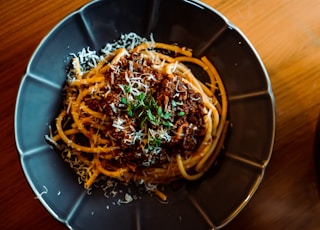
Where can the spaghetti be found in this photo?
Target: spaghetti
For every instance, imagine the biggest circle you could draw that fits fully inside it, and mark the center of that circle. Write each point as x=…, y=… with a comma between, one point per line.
x=138, y=113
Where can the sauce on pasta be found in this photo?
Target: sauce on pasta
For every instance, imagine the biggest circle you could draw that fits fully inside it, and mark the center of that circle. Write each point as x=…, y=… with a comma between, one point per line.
x=138, y=114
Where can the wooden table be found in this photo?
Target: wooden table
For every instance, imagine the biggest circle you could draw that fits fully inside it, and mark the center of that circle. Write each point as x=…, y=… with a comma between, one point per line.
x=286, y=34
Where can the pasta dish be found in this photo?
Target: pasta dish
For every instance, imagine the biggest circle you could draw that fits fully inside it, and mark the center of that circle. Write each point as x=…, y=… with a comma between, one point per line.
x=137, y=113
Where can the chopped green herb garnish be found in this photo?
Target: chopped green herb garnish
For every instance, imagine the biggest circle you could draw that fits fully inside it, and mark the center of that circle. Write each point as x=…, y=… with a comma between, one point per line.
x=149, y=115
x=166, y=115
x=123, y=100
x=181, y=113
x=127, y=88
x=141, y=97
x=130, y=113
x=173, y=103
x=159, y=111
x=167, y=123
x=153, y=141
x=176, y=103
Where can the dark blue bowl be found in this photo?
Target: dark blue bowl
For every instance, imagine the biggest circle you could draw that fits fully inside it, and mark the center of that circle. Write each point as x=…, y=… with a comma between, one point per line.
x=210, y=202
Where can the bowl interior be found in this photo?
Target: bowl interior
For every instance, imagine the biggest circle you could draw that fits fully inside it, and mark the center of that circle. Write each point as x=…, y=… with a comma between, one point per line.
x=213, y=200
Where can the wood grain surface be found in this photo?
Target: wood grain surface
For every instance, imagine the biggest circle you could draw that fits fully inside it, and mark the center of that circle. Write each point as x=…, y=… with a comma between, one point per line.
x=286, y=34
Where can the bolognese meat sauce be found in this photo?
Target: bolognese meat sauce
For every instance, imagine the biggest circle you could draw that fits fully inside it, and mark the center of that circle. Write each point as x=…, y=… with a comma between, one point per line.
x=153, y=115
